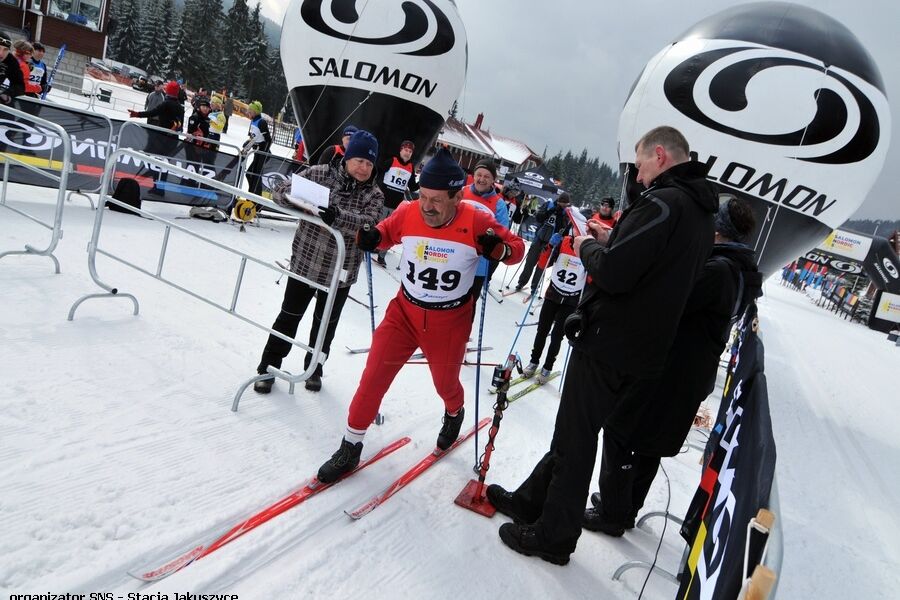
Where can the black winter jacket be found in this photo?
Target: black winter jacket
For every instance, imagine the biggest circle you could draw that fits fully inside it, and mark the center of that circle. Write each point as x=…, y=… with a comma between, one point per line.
x=550, y=222
x=642, y=278
x=10, y=69
x=657, y=424
x=169, y=114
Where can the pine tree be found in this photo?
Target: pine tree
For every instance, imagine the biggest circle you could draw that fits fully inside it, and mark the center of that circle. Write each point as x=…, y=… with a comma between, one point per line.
x=234, y=36
x=180, y=53
x=124, y=43
x=151, y=52
x=254, y=71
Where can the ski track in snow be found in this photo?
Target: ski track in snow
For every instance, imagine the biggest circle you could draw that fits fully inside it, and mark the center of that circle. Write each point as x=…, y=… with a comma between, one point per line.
x=119, y=447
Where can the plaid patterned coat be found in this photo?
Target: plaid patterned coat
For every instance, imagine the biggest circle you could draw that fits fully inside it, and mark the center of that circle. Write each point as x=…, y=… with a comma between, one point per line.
x=314, y=250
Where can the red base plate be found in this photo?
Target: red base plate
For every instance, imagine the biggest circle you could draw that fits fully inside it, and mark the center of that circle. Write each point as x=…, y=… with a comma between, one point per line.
x=472, y=497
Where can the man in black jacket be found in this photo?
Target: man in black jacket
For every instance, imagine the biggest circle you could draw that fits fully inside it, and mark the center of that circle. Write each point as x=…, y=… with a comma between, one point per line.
x=10, y=72
x=552, y=219
x=636, y=436
x=641, y=275
x=169, y=115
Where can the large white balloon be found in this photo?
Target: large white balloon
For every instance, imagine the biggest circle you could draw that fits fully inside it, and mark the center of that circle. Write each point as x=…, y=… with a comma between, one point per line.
x=785, y=106
x=392, y=67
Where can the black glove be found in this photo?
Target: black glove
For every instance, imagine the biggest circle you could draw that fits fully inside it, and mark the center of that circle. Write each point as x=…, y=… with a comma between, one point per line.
x=368, y=239
x=492, y=246
x=329, y=214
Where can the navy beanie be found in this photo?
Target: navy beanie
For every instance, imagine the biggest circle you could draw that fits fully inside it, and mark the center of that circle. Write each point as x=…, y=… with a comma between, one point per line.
x=442, y=172
x=349, y=130
x=362, y=144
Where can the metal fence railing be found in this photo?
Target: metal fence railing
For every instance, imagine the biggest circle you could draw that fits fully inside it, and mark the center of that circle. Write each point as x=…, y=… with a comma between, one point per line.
x=50, y=168
x=232, y=308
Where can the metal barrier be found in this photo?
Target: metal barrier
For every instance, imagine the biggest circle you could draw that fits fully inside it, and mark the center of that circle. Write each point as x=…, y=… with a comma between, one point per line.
x=64, y=167
x=73, y=92
x=238, y=170
x=111, y=292
x=107, y=145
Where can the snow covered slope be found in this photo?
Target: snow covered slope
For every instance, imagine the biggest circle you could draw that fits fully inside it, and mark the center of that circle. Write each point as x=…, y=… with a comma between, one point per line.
x=117, y=443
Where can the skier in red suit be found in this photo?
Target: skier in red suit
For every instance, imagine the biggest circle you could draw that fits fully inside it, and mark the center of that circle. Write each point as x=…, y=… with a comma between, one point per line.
x=443, y=239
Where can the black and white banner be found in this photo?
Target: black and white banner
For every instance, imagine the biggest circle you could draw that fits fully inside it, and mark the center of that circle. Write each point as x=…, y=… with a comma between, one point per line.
x=38, y=146
x=736, y=480
x=159, y=185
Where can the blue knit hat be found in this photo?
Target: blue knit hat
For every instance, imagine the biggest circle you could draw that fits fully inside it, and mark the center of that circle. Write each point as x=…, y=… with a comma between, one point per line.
x=442, y=172
x=362, y=144
x=349, y=130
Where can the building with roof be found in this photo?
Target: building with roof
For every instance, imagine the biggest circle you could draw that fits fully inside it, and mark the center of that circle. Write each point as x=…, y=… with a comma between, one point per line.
x=79, y=24
x=470, y=143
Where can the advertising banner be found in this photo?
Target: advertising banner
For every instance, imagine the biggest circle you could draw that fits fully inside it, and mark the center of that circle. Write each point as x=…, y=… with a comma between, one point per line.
x=736, y=480
x=91, y=135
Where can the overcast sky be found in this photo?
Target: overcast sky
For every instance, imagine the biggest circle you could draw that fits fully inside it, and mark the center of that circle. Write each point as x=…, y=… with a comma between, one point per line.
x=557, y=73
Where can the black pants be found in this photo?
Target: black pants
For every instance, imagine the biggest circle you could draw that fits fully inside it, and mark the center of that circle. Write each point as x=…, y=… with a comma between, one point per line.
x=254, y=174
x=553, y=315
x=556, y=492
x=625, y=480
x=479, y=283
x=297, y=296
x=531, y=259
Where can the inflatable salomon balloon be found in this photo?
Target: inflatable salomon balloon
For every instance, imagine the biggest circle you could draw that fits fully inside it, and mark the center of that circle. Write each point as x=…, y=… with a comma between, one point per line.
x=785, y=106
x=392, y=67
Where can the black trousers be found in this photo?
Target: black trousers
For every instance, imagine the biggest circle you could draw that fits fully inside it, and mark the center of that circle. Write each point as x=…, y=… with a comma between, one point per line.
x=625, y=480
x=531, y=259
x=556, y=492
x=254, y=174
x=297, y=296
x=550, y=322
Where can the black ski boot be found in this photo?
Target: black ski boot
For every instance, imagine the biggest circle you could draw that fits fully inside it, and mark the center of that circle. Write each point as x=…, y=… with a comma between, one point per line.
x=264, y=386
x=450, y=429
x=343, y=461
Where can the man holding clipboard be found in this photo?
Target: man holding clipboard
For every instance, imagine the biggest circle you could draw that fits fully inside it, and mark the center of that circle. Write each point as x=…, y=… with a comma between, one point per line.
x=348, y=198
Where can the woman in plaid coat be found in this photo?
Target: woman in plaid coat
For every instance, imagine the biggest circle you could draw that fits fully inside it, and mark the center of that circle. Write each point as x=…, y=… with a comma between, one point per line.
x=355, y=200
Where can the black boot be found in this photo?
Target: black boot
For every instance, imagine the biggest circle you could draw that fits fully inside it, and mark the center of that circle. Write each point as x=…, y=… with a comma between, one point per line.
x=314, y=383
x=450, y=429
x=343, y=461
x=526, y=539
x=505, y=502
x=264, y=386
x=594, y=520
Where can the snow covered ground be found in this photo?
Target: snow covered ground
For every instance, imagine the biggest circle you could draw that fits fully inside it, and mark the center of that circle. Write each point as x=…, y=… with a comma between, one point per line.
x=117, y=443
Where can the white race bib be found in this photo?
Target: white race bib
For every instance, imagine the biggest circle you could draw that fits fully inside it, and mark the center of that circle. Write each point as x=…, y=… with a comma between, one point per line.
x=437, y=271
x=397, y=178
x=569, y=274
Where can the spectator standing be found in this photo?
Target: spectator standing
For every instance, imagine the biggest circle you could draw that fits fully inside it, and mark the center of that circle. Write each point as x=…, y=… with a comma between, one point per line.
x=606, y=215
x=482, y=190
x=397, y=179
x=636, y=436
x=216, y=120
x=336, y=152
x=551, y=219
x=154, y=99
x=227, y=110
x=433, y=308
x=355, y=201
x=37, y=78
x=259, y=141
x=641, y=275
x=12, y=81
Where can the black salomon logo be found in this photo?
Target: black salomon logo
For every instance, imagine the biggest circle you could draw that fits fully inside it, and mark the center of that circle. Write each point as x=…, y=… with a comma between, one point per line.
x=727, y=85
x=415, y=26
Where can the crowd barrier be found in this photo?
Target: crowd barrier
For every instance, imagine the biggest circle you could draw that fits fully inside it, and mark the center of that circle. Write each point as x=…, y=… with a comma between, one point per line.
x=112, y=292
x=49, y=168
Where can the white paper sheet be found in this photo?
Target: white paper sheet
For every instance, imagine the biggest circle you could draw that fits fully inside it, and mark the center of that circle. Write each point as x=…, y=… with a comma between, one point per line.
x=308, y=192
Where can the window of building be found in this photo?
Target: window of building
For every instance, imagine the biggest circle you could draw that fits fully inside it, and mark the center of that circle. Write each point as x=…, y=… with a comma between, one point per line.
x=81, y=12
